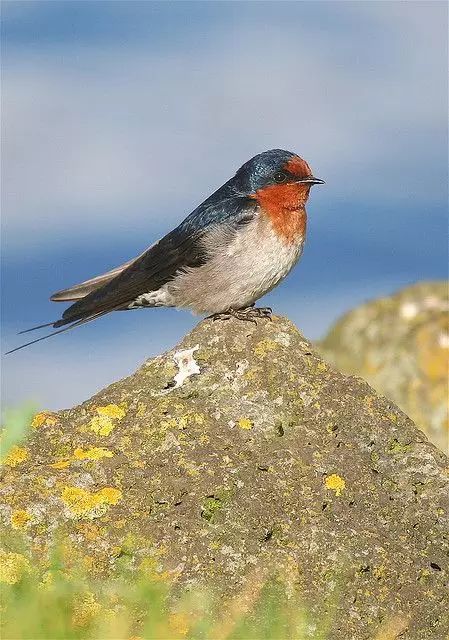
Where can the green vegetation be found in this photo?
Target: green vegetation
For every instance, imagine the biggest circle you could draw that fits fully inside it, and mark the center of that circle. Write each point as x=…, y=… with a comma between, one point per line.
x=16, y=423
x=56, y=606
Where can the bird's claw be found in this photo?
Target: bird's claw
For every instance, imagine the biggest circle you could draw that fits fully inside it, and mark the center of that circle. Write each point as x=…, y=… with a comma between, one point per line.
x=249, y=314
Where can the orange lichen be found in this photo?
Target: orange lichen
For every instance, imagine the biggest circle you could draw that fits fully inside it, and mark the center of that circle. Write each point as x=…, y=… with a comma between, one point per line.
x=16, y=456
x=20, y=519
x=89, y=530
x=44, y=418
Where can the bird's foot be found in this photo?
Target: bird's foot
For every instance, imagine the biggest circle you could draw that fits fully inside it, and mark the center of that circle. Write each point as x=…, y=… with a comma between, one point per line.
x=249, y=314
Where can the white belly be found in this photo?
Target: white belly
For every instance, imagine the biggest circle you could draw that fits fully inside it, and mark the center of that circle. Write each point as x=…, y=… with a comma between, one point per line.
x=239, y=272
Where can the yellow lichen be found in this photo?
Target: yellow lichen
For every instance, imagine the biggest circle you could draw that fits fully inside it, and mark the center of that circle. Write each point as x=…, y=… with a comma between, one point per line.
x=16, y=456
x=12, y=567
x=88, y=562
x=20, y=519
x=245, y=423
x=182, y=422
x=379, y=572
x=125, y=443
x=47, y=583
x=44, y=418
x=95, y=453
x=150, y=567
x=113, y=411
x=107, y=417
x=90, y=531
x=85, y=610
x=101, y=425
x=111, y=495
x=214, y=545
x=264, y=346
x=168, y=424
x=61, y=464
x=252, y=374
x=335, y=483
x=179, y=623
x=141, y=409
x=83, y=503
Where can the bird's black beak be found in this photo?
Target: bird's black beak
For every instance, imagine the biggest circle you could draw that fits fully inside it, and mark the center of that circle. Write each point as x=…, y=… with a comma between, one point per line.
x=311, y=180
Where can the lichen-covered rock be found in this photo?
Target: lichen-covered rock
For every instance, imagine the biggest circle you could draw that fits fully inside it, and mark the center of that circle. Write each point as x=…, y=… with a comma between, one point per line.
x=400, y=345
x=265, y=460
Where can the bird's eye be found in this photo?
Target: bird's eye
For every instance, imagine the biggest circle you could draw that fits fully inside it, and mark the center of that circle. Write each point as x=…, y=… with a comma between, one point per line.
x=280, y=176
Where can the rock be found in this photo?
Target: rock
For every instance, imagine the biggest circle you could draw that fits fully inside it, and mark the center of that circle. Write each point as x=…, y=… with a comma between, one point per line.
x=265, y=459
x=400, y=345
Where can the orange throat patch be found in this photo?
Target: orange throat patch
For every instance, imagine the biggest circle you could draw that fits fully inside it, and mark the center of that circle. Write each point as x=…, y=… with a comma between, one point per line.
x=284, y=204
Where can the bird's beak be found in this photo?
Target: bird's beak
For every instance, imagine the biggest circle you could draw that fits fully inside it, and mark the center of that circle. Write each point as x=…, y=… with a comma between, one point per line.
x=311, y=180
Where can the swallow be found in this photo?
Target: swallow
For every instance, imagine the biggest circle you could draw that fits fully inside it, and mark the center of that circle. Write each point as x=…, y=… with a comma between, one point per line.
x=230, y=251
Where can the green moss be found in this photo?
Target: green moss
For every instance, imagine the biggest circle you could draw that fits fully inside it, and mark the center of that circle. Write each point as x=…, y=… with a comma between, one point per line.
x=205, y=355
x=396, y=447
x=210, y=507
x=389, y=485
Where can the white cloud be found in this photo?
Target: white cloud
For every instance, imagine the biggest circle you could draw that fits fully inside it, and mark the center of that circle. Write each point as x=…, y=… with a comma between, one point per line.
x=121, y=138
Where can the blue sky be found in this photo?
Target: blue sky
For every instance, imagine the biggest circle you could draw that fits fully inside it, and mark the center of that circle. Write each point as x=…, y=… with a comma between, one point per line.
x=118, y=118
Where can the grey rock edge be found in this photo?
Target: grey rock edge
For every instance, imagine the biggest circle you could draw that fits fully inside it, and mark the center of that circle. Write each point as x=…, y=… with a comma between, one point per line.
x=400, y=345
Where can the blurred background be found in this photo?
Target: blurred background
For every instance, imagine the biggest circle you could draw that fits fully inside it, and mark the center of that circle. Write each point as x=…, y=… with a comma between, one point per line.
x=118, y=118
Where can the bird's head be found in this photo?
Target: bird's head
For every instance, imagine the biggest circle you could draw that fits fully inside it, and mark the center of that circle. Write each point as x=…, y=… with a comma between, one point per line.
x=279, y=181
x=275, y=171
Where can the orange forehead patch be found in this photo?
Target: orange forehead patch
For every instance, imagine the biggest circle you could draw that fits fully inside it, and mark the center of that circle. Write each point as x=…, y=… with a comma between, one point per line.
x=298, y=167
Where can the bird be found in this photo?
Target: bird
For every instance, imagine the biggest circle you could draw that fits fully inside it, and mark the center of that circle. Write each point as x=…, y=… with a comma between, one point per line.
x=235, y=247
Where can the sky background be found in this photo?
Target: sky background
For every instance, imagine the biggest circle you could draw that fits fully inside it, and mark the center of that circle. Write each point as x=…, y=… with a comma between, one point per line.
x=119, y=118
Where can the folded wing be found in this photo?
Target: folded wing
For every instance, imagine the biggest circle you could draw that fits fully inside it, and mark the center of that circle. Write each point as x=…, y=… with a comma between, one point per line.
x=82, y=289
x=187, y=246
x=183, y=248
x=148, y=272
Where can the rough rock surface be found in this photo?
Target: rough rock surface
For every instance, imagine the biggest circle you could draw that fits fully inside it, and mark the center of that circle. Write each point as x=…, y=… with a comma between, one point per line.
x=265, y=458
x=400, y=345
